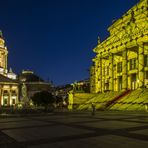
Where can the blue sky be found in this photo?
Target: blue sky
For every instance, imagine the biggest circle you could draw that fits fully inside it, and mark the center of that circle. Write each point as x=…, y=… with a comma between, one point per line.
x=55, y=38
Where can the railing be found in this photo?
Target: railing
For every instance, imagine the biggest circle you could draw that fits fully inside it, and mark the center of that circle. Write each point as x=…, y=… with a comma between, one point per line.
x=114, y=100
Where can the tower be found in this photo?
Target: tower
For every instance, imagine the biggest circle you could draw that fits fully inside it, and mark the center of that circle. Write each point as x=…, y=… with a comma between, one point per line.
x=3, y=55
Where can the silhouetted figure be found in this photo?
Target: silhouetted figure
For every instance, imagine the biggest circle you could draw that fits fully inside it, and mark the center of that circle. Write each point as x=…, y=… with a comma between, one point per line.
x=93, y=109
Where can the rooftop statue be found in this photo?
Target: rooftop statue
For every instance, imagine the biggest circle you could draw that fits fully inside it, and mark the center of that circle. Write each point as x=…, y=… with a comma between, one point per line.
x=99, y=41
x=1, y=34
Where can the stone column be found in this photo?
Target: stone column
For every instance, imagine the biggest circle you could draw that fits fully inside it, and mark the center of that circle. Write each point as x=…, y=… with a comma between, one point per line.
x=124, y=70
x=129, y=82
x=100, y=74
x=96, y=76
x=0, y=96
x=6, y=61
x=103, y=76
x=111, y=87
x=10, y=97
x=92, y=79
x=17, y=97
x=141, y=66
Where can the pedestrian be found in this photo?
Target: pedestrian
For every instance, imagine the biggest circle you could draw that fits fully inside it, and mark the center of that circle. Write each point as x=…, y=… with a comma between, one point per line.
x=93, y=109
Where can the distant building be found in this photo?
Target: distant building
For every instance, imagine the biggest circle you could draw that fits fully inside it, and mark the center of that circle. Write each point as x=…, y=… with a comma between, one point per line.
x=121, y=60
x=82, y=86
x=62, y=91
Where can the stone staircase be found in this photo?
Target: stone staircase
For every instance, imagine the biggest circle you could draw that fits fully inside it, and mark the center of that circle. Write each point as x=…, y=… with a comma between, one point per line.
x=117, y=98
x=128, y=100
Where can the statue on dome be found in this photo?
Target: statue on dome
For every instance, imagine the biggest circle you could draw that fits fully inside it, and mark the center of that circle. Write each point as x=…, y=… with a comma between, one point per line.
x=99, y=41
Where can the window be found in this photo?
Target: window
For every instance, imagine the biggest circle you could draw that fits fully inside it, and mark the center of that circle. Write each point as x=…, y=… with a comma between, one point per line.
x=13, y=93
x=5, y=100
x=132, y=63
x=119, y=67
x=146, y=60
x=13, y=101
x=5, y=91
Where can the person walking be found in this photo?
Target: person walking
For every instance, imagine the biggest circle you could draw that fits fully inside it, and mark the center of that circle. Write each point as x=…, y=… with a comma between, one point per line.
x=93, y=109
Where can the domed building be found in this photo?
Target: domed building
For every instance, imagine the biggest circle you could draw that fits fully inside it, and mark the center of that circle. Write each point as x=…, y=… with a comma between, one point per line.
x=9, y=86
x=15, y=89
x=33, y=83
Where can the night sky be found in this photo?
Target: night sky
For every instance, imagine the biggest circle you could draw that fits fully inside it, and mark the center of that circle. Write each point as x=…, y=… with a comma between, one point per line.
x=55, y=38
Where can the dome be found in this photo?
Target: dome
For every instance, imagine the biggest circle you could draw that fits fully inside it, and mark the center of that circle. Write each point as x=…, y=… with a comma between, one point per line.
x=29, y=76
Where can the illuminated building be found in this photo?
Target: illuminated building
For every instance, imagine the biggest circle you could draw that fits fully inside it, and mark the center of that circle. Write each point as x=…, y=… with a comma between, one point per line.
x=33, y=83
x=13, y=90
x=9, y=87
x=121, y=61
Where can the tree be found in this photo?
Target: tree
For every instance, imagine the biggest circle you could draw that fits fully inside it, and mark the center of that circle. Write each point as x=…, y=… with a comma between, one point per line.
x=43, y=98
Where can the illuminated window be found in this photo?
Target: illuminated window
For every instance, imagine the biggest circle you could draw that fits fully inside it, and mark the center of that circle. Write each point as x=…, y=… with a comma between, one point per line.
x=5, y=100
x=146, y=60
x=5, y=91
x=119, y=67
x=13, y=92
x=132, y=63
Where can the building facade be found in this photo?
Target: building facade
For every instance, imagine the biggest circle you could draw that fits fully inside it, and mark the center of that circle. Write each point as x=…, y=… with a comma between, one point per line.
x=121, y=60
x=17, y=89
x=9, y=87
x=33, y=83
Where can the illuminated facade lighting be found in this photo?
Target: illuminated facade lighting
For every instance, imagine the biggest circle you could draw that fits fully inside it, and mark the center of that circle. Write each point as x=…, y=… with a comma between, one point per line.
x=121, y=61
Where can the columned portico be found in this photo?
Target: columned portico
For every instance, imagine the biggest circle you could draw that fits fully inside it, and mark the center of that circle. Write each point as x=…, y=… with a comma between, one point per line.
x=123, y=56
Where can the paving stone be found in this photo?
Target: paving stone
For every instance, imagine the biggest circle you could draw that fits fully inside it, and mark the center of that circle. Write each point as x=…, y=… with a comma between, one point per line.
x=19, y=124
x=109, y=141
x=43, y=132
x=142, y=132
x=64, y=130
x=112, y=124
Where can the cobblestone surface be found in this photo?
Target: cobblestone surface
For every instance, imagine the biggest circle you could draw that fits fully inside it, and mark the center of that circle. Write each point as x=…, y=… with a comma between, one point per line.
x=64, y=130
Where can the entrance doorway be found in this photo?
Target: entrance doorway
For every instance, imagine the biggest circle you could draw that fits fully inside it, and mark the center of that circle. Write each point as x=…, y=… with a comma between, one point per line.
x=119, y=83
x=5, y=100
x=133, y=82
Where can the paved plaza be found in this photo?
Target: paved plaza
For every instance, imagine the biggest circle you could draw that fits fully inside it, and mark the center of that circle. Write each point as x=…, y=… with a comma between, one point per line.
x=76, y=130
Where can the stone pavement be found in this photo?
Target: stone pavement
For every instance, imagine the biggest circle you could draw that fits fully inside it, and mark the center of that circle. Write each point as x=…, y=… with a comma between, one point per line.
x=74, y=130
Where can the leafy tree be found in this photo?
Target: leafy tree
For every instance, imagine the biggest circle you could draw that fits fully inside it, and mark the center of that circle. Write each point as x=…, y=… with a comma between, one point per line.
x=43, y=98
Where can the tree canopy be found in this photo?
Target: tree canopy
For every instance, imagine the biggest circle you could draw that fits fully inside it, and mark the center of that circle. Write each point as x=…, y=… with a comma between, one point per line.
x=43, y=98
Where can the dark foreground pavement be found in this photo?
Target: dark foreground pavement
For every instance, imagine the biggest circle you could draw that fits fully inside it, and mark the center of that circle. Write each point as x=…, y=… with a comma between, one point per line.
x=76, y=130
